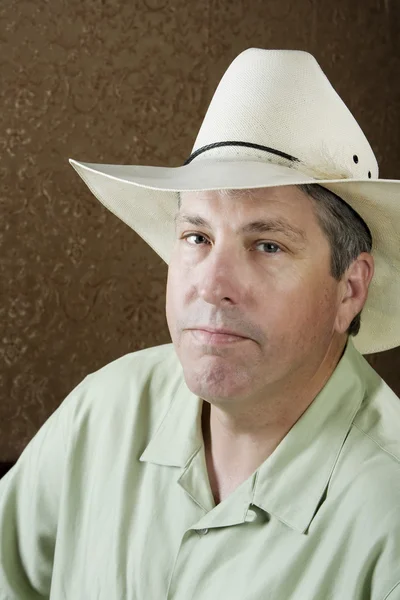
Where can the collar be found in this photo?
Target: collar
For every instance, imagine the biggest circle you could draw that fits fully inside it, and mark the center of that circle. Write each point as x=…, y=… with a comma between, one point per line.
x=292, y=481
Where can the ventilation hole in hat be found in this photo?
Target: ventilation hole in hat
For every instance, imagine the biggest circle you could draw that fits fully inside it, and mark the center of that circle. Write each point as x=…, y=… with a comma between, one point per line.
x=369, y=174
x=355, y=158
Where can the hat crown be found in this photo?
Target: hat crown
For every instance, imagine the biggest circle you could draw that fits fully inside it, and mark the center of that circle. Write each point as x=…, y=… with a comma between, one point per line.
x=282, y=100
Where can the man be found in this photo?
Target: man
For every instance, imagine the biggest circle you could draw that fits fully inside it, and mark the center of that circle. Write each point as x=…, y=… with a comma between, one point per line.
x=258, y=455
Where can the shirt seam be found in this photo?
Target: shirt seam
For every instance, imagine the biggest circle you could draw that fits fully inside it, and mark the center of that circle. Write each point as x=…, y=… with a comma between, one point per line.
x=397, y=459
x=67, y=423
x=396, y=585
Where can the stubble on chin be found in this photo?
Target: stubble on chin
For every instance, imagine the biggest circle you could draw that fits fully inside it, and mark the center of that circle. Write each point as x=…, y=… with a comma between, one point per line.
x=211, y=376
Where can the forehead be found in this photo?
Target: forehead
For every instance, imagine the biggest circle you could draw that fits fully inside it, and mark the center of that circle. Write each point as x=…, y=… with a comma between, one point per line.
x=284, y=201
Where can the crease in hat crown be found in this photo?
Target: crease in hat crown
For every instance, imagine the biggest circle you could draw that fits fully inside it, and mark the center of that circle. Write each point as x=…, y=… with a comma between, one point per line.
x=281, y=99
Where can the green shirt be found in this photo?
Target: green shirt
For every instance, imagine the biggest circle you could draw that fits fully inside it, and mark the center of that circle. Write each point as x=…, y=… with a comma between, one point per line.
x=111, y=499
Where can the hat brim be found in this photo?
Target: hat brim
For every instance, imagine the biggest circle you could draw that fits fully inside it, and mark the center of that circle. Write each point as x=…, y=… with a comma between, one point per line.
x=145, y=198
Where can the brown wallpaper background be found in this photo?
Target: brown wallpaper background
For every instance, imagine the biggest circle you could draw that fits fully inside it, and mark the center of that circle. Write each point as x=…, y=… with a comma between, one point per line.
x=129, y=82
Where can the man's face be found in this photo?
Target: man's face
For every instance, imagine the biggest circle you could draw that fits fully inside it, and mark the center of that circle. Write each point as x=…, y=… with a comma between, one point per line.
x=259, y=267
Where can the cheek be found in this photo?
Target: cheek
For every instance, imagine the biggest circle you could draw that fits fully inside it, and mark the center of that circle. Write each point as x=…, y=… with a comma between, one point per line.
x=316, y=309
x=175, y=293
x=297, y=301
x=170, y=306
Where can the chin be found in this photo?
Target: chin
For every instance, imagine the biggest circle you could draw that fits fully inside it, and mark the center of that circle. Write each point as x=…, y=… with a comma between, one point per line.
x=213, y=377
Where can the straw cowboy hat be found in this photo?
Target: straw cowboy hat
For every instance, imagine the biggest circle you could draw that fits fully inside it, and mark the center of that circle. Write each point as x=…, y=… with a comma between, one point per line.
x=274, y=120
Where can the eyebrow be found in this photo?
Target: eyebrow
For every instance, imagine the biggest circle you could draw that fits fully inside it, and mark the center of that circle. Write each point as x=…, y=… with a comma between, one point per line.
x=277, y=225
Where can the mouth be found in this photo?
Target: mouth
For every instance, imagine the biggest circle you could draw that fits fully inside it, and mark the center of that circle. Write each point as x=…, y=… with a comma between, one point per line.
x=216, y=337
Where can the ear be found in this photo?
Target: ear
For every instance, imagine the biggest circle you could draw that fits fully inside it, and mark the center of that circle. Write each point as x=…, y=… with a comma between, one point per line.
x=354, y=290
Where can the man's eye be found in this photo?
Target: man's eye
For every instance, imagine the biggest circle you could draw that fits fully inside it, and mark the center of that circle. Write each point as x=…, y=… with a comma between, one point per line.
x=195, y=239
x=268, y=247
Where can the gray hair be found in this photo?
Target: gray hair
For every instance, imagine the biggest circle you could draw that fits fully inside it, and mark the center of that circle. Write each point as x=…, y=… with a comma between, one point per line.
x=347, y=233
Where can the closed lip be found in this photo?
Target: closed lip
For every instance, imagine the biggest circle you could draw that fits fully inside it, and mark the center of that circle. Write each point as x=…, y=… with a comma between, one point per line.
x=220, y=331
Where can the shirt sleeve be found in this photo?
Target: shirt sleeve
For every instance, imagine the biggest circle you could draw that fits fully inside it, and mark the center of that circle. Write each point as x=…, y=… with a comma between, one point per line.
x=29, y=504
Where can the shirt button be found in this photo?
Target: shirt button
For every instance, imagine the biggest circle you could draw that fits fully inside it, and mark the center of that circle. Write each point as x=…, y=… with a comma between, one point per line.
x=251, y=515
x=203, y=531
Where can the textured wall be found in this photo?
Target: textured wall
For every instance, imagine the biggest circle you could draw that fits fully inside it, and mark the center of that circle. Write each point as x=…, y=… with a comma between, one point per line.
x=129, y=82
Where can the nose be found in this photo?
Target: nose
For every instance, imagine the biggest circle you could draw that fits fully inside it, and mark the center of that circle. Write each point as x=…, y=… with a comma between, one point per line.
x=222, y=277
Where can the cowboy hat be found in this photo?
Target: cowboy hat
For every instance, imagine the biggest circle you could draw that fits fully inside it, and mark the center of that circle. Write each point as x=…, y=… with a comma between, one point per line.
x=274, y=120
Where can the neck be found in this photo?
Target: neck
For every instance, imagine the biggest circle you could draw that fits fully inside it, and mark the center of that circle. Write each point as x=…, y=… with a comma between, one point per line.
x=239, y=437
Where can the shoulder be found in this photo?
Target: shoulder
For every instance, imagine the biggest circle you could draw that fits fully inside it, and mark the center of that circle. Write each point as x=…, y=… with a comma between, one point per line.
x=367, y=471
x=365, y=482
x=135, y=387
x=158, y=364
x=378, y=419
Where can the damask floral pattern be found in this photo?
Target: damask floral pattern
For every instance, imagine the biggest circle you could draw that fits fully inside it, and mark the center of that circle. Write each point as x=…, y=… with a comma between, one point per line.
x=129, y=82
